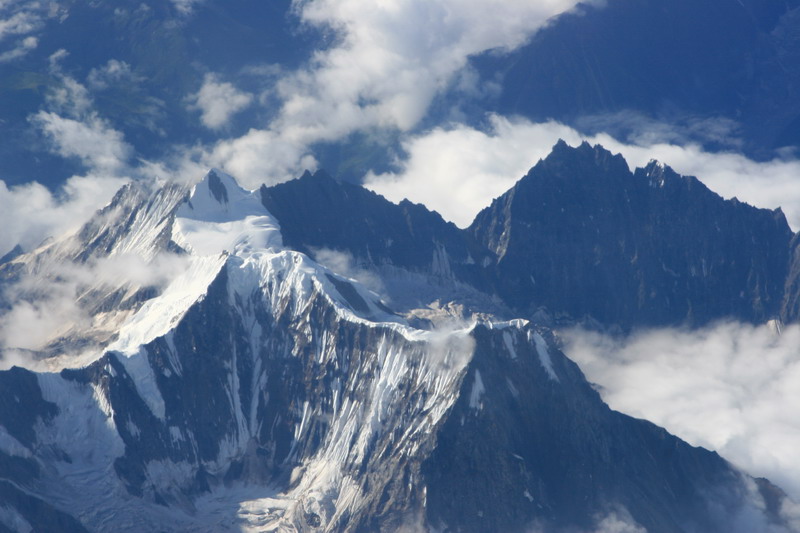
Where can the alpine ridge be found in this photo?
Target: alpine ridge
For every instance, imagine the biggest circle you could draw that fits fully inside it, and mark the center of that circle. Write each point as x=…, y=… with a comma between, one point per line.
x=249, y=387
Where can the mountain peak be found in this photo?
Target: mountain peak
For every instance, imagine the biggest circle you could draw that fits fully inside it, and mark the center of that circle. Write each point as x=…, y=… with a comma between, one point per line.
x=216, y=195
x=217, y=184
x=582, y=161
x=319, y=175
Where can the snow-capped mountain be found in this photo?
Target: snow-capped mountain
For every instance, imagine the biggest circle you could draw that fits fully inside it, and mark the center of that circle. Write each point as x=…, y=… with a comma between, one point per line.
x=248, y=387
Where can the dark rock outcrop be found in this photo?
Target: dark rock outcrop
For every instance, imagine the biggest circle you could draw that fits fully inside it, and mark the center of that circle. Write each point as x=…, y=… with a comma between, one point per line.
x=317, y=211
x=583, y=235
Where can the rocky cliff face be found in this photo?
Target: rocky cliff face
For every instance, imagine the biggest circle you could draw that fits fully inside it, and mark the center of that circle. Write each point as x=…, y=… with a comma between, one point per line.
x=416, y=254
x=258, y=390
x=583, y=235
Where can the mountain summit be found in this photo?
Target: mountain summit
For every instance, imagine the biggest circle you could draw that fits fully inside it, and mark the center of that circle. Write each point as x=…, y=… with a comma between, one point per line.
x=256, y=389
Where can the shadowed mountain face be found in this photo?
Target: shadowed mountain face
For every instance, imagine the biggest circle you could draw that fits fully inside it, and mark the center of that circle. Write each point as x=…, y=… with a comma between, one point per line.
x=317, y=211
x=580, y=235
x=584, y=235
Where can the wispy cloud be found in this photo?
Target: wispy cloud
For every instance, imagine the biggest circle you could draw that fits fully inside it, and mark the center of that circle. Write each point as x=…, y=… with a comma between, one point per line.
x=22, y=48
x=112, y=73
x=733, y=388
x=21, y=22
x=345, y=265
x=30, y=213
x=185, y=7
x=51, y=300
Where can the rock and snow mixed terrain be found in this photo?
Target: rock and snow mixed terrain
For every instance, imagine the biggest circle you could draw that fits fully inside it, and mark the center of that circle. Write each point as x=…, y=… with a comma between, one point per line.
x=239, y=384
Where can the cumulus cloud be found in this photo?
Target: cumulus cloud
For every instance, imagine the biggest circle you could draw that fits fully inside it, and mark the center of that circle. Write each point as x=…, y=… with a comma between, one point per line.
x=30, y=213
x=261, y=156
x=218, y=101
x=732, y=388
x=387, y=62
x=393, y=57
x=457, y=170
x=92, y=140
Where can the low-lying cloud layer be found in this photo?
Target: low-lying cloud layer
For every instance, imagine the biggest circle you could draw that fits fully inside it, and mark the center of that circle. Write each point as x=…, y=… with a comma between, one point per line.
x=733, y=388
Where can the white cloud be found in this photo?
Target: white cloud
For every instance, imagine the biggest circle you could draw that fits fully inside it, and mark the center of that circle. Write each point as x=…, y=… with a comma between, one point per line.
x=185, y=7
x=344, y=264
x=23, y=20
x=70, y=97
x=393, y=57
x=388, y=61
x=30, y=213
x=218, y=102
x=112, y=73
x=618, y=521
x=92, y=140
x=261, y=156
x=20, y=23
x=733, y=388
x=21, y=49
x=768, y=184
x=458, y=170
x=47, y=301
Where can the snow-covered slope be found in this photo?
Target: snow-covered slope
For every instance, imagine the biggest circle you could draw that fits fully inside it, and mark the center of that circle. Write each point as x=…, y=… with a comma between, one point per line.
x=256, y=390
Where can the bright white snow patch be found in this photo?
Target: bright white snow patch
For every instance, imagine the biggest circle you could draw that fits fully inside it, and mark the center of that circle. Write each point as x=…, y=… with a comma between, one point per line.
x=11, y=446
x=477, y=392
x=509, y=342
x=159, y=315
x=544, y=355
x=221, y=217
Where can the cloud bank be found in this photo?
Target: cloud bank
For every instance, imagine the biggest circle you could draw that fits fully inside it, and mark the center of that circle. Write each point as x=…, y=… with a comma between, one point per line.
x=387, y=63
x=393, y=57
x=457, y=170
x=733, y=388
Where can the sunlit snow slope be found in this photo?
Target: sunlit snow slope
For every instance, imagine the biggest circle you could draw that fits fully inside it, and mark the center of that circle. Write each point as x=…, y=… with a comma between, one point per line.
x=252, y=389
